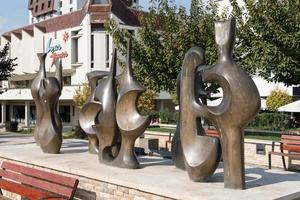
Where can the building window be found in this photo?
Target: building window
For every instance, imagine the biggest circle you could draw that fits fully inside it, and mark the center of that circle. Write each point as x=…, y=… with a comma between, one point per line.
x=60, y=13
x=100, y=2
x=37, y=1
x=18, y=113
x=60, y=4
x=92, y=48
x=71, y=9
x=65, y=113
x=49, y=4
x=31, y=1
x=32, y=20
x=107, y=47
x=71, y=1
x=67, y=80
x=36, y=8
x=43, y=6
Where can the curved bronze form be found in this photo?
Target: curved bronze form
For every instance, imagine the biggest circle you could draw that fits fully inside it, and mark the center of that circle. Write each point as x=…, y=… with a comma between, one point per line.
x=35, y=86
x=201, y=153
x=90, y=111
x=105, y=116
x=46, y=92
x=177, y=154
x=240, y=104
x=106, y=126
x=130, y=122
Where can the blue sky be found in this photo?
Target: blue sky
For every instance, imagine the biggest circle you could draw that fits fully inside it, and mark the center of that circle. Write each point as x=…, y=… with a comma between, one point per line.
x=14, y=13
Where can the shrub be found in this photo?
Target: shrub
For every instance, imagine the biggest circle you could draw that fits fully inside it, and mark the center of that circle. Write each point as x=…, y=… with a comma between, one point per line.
x=11, y=126
x=81, y=95
x=146, y=102
x=277, y=99
x=271, y=121
x=79, y=133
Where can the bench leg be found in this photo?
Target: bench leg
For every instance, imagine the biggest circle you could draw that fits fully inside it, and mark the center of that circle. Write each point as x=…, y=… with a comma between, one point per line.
x=283, y=162
x=270, y=161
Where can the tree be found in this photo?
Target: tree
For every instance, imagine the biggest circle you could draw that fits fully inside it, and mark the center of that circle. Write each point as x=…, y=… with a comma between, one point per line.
x=146, y=102
x=269, y=39
x=278, y=98
x=7, y=64
x=81, y=95
x=165, y=35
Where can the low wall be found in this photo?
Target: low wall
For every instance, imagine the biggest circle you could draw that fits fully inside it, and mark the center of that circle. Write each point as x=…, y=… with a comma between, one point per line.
x=92, y=189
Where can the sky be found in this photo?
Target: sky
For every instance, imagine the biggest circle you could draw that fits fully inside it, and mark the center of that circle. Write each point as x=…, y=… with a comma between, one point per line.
x=14, y=13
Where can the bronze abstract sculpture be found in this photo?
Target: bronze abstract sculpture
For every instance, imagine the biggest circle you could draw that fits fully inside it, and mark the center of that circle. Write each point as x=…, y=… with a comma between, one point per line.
x=239, y=105
x=106, y=126
x=113, y=117
x=130, y=122
x=90, y=109
x=46, y=92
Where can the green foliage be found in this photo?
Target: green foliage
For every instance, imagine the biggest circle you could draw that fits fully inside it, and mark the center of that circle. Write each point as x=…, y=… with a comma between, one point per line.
x=81, y=95
x=277, y=99
x=167, y=117
x=146, y=102
x=165, y=35
x=269, y=39
x=271, y=121
x=174, y=98
x=7, y=65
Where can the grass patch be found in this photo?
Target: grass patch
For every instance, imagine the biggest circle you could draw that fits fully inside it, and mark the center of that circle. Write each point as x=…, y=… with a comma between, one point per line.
x=28, y=131
x=164, y=130
x=263, y=137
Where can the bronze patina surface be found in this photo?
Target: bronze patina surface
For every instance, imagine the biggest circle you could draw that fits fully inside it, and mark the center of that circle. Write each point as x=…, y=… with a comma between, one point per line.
x=240, y=104
x=112, y=119
x=90, y=110
x=130, y=122
x=46, y=92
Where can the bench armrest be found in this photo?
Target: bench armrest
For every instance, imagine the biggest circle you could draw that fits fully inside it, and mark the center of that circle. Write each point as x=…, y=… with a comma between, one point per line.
x=273, y=146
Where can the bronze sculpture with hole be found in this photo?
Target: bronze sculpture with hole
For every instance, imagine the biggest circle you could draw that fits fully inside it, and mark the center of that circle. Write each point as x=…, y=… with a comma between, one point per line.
x=200, y=154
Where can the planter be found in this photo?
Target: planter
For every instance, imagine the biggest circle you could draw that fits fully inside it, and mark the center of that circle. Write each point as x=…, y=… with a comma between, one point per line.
x=11, y=126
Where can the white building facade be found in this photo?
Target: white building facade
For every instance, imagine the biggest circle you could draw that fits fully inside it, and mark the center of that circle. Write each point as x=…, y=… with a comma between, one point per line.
x=77, y=36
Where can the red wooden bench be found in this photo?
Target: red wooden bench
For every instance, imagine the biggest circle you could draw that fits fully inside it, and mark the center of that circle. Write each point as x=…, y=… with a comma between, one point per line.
x=211, y=132
x=35, y=184
x=208, y=132
x=288, y=143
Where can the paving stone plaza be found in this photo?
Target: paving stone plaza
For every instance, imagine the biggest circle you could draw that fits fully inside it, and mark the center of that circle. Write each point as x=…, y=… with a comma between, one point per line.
x=157, y=179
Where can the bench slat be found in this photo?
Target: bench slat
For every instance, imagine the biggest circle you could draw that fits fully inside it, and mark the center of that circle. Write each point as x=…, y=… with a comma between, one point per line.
x=23, y=190
x=292, y=148
x=290, y=141
x=291, y=137
x=51, y=187
x=67, y=181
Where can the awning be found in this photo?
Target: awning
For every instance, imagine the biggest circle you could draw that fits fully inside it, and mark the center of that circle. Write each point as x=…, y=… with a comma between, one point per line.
x=30, y=76
x=291, y=107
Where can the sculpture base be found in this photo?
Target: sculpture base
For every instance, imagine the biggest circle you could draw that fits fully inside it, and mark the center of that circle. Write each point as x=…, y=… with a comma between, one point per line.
x=157, y=178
